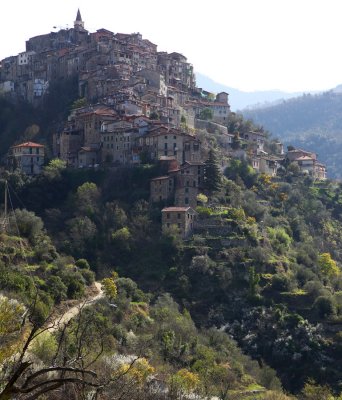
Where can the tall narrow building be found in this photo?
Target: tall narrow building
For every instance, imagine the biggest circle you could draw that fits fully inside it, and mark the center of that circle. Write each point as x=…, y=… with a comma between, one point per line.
x=78, y=23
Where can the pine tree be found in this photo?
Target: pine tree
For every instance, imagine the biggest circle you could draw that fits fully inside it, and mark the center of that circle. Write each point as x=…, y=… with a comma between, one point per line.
x=213, y=175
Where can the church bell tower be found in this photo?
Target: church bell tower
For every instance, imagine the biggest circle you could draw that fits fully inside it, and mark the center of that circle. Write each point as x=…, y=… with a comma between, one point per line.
x=78, y=23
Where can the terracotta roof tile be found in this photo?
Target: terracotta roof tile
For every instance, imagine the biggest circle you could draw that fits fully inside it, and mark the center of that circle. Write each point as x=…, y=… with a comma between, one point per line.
x=29, y=144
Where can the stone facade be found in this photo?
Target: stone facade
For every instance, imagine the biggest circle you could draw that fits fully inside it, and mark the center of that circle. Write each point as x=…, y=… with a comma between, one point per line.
x=29, y=157
x=180, y=218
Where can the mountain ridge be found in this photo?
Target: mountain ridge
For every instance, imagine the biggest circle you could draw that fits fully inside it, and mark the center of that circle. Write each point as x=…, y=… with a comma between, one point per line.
x=313, y=121
x=240, y=99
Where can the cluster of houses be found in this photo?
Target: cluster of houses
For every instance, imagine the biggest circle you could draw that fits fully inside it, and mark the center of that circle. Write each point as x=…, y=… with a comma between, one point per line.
x=143, y=106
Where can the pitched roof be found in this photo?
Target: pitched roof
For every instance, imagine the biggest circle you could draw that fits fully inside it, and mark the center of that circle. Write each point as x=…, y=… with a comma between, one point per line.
x=29, y=144
x=78, y=16
x=302, y=158
x=177, y=209
x=194, y=163
x=159, y=178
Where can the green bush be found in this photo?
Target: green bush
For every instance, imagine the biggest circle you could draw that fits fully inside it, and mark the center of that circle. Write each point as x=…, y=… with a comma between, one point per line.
x=89, y=276
x=56, y=288
x=324, y=306
x=82, y=263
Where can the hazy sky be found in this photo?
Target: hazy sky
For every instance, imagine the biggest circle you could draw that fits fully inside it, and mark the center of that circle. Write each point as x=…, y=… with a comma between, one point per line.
x=292, y=45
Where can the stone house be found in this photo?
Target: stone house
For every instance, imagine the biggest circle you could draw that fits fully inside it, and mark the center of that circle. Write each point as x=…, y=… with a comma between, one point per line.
x=189, y=182
x=162, y=188
x=256, y=139
x=154, y=80
x=181, y=185
x=163, y=141
x=268, y=165
x=28, y=156
x=90, y=120
x=320, y=171
x=66, y=145
x=118, y=142
x=307, y=163
x=180, y=218
x=87, y=157
x=294, y=154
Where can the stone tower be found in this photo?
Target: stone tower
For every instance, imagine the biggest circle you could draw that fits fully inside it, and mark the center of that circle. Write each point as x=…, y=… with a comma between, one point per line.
x=78, y=23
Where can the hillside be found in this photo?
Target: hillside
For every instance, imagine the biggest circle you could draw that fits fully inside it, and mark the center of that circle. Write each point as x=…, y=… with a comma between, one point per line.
x=263, y=263
x=219, y=258
x=310, y=121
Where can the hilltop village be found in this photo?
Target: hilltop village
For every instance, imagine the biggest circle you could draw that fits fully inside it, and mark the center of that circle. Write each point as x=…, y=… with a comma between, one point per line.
x=136, y=105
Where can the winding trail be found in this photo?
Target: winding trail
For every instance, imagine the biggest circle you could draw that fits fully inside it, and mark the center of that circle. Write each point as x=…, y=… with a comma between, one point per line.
x=60, y=321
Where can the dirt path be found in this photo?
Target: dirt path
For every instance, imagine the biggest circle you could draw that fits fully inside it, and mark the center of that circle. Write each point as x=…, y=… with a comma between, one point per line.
x=61, y=320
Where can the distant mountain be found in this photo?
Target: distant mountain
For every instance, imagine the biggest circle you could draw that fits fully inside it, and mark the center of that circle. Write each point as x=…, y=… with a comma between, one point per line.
x=310, y=121
x=238, y=99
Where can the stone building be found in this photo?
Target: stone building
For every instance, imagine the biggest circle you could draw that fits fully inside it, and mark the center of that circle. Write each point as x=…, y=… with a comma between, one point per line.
x=162, y=188
x=28, y=156
x=180, y=218
x=163, y=141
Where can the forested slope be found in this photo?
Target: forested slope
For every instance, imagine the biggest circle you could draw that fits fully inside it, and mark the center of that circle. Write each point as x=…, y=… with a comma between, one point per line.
x=310, y=121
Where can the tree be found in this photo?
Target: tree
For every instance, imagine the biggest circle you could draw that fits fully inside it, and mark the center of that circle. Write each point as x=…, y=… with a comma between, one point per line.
x=109, y=286
x=68, y=362
x=11, y=318
x=206, y=114
x=28, y=224
x=154, y=115
x=54, y=169
x=324, y=306
x=212, y=175
x=183, y=383
x=87, y=198
x=312, y=391
x=327, y=265
x=81, y=102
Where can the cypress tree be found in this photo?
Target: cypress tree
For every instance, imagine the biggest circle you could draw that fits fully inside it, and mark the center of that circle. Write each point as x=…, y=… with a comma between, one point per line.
x=213, y=175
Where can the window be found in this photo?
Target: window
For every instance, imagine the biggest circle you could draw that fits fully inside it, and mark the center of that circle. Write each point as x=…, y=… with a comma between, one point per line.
x=165, y=146
x=165, y=137
x=186, y=200
x=179, y=225
x=37, y=150
x=168, y=216
x=168, y=224
x=178, y=215
x=175, y=137
x=186, y=190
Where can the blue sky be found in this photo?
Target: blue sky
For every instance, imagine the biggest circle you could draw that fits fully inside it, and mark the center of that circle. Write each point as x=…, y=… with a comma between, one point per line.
x=291, y=45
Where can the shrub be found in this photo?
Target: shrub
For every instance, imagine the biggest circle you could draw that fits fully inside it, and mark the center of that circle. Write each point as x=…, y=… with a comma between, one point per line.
x=56, y=288
x=281, y=283
x=324, y=306
x=82, y=263
x=89, y=276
